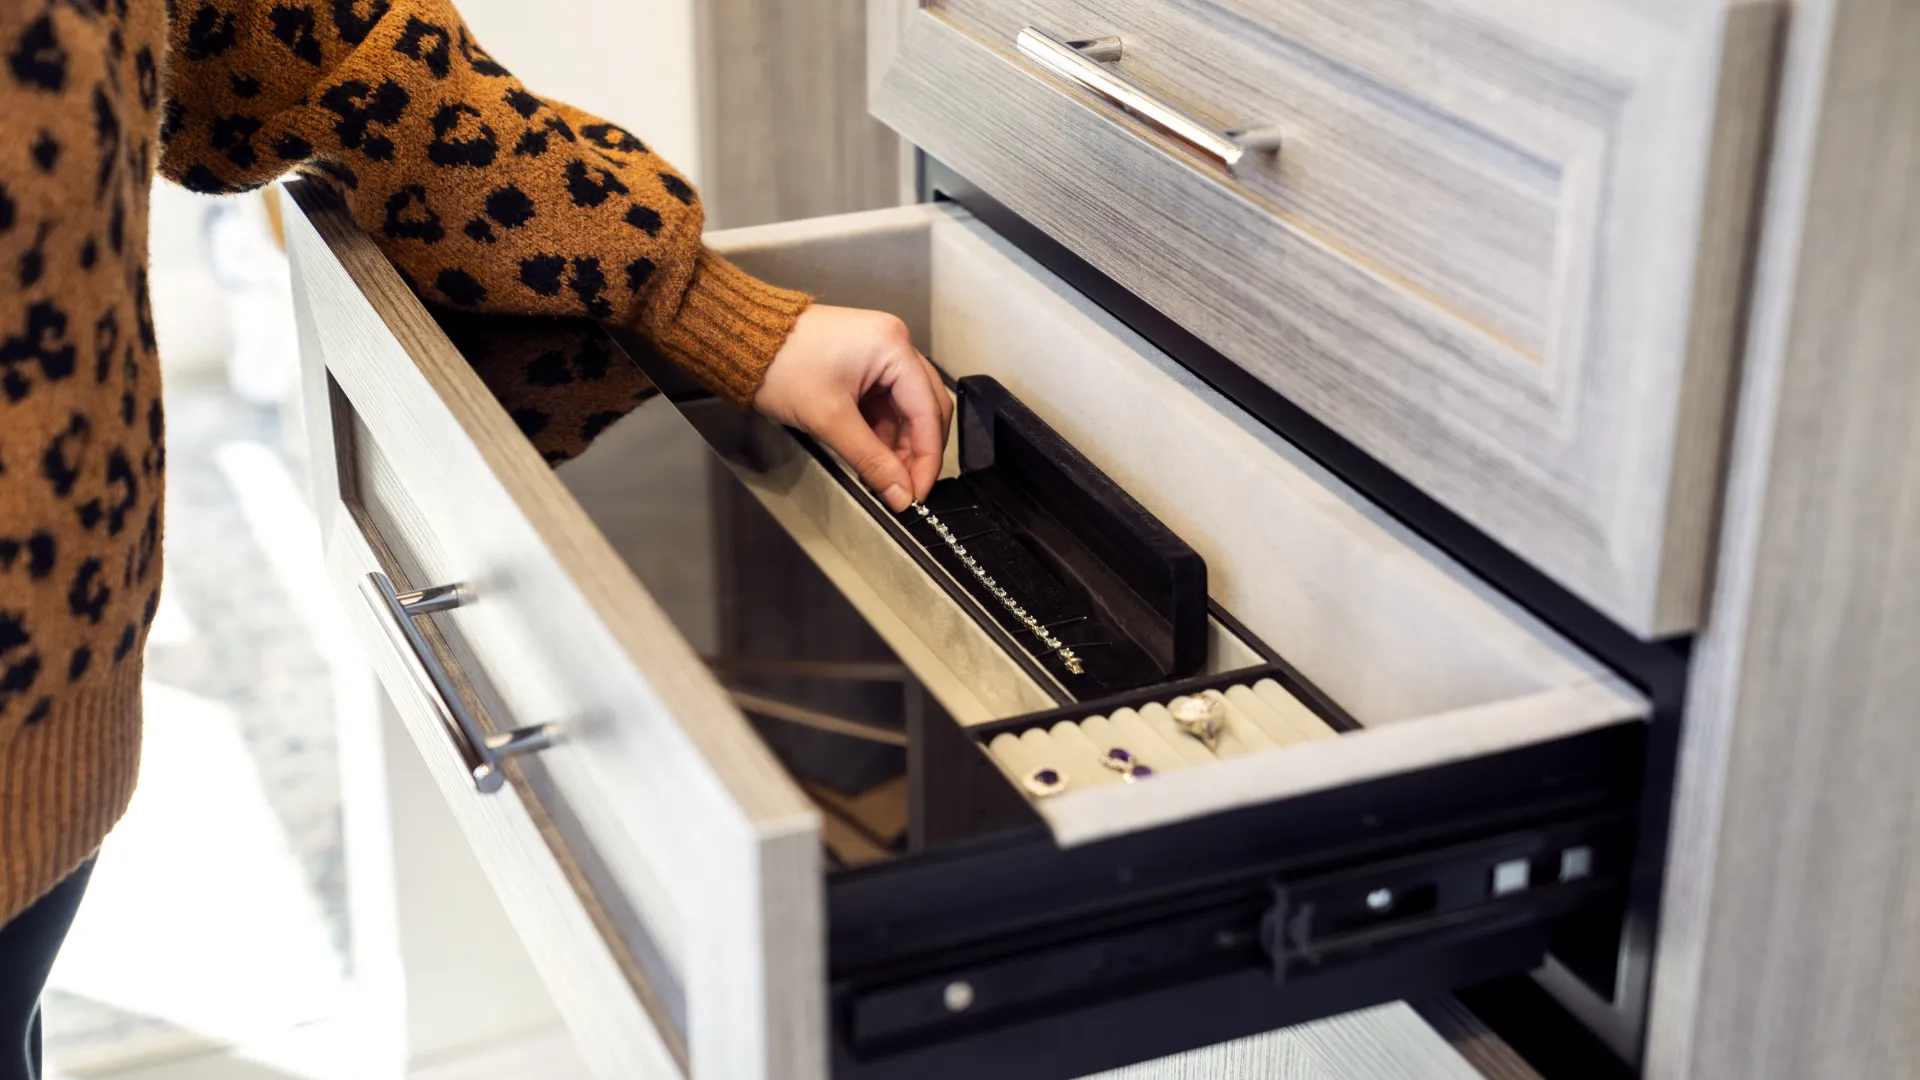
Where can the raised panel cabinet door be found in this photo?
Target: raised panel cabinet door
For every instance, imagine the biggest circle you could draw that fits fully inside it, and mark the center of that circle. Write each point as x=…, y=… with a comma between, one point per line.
x=1498, y=246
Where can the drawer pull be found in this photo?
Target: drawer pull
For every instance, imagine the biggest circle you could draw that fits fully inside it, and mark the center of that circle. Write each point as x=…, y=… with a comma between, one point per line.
x=1080, y=62
x=481, y=752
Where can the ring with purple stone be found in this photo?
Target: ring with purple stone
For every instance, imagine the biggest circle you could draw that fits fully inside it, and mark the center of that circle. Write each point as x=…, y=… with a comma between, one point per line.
x=1122, y=761
x=1045, y=781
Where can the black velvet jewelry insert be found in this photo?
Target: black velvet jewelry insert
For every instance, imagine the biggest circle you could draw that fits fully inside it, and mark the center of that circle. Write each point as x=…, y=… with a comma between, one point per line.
x=1104, y=576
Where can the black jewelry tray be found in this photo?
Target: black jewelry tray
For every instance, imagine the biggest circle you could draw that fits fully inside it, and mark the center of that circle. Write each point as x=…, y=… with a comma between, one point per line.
x=974, y=797
x=1109, y=580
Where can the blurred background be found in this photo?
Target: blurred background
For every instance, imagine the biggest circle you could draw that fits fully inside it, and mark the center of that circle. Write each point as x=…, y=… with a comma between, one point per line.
x=233, y=929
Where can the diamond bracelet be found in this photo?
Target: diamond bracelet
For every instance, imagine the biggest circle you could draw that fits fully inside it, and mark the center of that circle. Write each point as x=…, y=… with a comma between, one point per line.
x=1053, y=644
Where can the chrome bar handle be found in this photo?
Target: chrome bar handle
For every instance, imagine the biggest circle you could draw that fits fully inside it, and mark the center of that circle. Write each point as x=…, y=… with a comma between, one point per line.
x=480, y=752
x=1080, y=62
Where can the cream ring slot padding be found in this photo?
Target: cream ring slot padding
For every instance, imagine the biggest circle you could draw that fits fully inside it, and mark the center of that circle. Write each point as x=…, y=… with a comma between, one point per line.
x=1239, y=736
x=1012, y=754
x=1128, y=730
x=1082, y=757
x=1262, y=717
x=1293, y=711
x=1143, y=746
x=1041, y=753
x=1027, y=753
x=1162, y=723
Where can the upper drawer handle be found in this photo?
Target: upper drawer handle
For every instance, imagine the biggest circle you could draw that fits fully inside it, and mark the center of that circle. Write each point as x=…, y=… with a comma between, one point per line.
x=480, y=752
x=1079, y=62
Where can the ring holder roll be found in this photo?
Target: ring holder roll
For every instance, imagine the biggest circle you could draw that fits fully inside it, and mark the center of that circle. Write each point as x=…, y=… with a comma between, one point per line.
x=989, y=783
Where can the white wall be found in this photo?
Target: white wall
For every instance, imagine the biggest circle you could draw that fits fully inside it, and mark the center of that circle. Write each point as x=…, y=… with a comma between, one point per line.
x=189, y=310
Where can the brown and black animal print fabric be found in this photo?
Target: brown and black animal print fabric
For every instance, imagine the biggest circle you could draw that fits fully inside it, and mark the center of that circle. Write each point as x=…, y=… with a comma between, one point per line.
x=486, y=196
x=561, y=380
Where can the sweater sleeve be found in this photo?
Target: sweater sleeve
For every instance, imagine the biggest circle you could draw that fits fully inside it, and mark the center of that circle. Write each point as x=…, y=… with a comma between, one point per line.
x=486, y=196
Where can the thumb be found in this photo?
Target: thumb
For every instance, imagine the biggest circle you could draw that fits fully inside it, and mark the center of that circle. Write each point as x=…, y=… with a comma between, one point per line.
x=847, y=433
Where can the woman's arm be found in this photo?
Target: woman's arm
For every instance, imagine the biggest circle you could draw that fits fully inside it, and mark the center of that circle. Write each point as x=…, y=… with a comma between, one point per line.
x=489, y=197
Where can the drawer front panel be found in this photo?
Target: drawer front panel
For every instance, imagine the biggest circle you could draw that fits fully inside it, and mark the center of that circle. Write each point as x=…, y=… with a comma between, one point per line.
x=619, y=1022
x=1499, y=247
x=685, y=847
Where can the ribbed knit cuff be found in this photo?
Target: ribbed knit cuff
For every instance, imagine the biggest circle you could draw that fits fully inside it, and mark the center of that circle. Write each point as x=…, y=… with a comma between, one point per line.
x=64, y=782
x=728, y=327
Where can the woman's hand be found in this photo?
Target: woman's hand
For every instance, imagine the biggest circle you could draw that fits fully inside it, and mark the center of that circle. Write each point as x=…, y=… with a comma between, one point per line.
x=853, y=380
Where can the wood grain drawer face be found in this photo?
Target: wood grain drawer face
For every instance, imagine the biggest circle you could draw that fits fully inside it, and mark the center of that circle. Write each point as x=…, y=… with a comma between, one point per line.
x=1443, y=204
x=1500, y=248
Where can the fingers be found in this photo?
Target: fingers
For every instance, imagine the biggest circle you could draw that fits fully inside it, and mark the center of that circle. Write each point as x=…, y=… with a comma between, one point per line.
x=920, y=400
x=854, y=379
x=881, y=416
x=846, y=432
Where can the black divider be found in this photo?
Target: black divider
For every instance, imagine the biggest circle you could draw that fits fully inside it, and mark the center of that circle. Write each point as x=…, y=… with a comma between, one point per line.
x=1148, y=582
x=1104, y=576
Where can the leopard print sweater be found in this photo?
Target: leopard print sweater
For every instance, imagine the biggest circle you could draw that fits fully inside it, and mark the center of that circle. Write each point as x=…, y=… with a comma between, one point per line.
x=485, y=195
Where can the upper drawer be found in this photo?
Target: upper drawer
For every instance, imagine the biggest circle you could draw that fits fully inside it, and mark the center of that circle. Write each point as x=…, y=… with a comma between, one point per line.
x=1499, y=247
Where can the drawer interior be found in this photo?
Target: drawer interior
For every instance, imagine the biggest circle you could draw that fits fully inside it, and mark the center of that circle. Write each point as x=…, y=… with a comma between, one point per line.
x=1384, y=625
x=785, y=573
x=1319, y=574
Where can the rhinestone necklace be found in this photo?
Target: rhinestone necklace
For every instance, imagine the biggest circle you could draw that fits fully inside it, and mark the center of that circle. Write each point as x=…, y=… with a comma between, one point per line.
x=1013, y=607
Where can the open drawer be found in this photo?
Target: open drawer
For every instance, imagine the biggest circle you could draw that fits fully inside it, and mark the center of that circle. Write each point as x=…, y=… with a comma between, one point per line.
x=745, y=806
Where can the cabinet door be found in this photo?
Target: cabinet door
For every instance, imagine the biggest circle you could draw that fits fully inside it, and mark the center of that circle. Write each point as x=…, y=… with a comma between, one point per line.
x=645, y=844
x=1499, y=247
